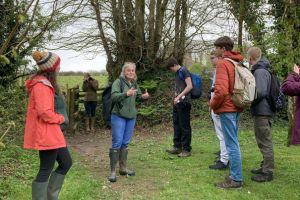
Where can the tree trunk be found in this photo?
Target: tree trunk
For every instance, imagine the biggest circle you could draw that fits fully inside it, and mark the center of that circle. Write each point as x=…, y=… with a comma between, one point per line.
x=183, y=28
x=140, y=28
x=241, y=22
x=96, y=7
x=177, y=30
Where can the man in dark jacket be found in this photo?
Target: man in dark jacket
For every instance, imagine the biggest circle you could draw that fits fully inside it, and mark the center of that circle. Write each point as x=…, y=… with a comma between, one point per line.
x=262, y=113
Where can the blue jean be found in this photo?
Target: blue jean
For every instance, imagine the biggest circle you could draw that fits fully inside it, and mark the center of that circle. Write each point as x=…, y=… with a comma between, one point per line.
x=229, y=122
x=122, y=131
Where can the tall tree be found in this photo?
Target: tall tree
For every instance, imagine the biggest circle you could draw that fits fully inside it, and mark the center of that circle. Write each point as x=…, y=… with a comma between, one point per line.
x=142, y=31
x=25, y=25
x=249, y=16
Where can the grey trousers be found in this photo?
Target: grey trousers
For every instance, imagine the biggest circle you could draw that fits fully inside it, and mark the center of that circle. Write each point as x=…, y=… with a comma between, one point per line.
x=263, y=136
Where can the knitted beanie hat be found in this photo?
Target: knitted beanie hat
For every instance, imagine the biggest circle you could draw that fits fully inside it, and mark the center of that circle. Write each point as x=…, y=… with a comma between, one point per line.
x=47, y=61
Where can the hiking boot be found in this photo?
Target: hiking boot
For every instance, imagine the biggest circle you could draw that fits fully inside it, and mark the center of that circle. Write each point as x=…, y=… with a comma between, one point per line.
x=256, y=171
x=174, y=150
x=229, y=183
x=219, y=165
x=184, y=154
x=264, y=177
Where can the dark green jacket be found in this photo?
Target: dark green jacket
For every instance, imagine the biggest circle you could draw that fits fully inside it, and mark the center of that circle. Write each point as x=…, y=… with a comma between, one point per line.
x=124, y=106
x=60, y=107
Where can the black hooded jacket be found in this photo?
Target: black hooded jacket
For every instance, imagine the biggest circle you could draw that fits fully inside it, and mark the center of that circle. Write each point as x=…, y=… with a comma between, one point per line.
x=260, y=105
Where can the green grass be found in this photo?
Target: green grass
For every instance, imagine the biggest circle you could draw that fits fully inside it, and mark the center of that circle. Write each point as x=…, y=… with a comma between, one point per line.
x=72, y=81
x=162, y=176
x=19, y=167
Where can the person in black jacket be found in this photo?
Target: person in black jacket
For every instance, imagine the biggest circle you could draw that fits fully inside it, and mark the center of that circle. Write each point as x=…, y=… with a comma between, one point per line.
x=262, y=114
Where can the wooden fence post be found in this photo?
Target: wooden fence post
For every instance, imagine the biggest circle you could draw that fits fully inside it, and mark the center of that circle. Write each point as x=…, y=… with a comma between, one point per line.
x=73, y=100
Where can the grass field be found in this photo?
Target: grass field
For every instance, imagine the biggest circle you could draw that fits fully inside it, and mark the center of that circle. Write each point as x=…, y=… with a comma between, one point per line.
x=72, y=81
x=161, y=176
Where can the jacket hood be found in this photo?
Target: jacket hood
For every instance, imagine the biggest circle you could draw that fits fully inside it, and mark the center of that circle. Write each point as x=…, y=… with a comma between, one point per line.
x=263, y=63
x=37, y=79
x=234, y=55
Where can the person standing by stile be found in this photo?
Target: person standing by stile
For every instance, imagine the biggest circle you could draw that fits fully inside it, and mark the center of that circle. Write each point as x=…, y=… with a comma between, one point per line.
x=262, y=113
x=124, y=94
x=90, y=86
x=222, y=162
x=181, y=110
x=42, y=128
x=222, y=104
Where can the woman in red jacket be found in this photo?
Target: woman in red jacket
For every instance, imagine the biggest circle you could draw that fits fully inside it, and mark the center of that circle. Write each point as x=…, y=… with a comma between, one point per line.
x=42, y=129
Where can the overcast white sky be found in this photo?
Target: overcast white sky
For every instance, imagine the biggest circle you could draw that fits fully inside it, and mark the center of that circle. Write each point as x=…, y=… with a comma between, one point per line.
x=73, y=61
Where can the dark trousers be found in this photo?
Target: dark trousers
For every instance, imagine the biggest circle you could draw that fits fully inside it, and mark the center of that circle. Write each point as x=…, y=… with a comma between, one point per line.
x=47, y=161
x=182, y=127
x=263, y=136
x=90, y=108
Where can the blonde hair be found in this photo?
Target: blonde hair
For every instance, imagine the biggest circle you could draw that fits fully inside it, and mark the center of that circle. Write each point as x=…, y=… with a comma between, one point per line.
x=254, y=53
x=127, y=64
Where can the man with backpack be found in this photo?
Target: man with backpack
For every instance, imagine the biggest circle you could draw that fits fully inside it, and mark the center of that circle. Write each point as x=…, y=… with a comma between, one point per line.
x=262, y=113
x=181, y=109
x=223, y=105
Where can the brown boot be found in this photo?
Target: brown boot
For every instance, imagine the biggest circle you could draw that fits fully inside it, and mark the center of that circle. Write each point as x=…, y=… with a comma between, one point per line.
x=174, y=150
x=184, y=154
x=229, y=183
x=92, y=124
x=87, y=124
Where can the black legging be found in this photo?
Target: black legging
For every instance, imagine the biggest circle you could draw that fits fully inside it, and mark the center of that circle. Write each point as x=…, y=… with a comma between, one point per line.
x=47, y=161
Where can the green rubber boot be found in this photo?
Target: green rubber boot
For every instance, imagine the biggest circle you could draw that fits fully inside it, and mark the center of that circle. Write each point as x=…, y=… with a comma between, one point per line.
x=55, y=183
x=39, y=190
x=123, y=161
x=114, y=157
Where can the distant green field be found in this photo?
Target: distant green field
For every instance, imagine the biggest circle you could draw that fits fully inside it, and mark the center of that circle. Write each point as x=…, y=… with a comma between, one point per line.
x=72, y=81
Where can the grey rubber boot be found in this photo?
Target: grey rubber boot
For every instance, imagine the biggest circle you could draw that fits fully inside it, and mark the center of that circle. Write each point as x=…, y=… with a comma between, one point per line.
x=39, y=190
x=55, y=183
x=123, y=161
x=114, y=157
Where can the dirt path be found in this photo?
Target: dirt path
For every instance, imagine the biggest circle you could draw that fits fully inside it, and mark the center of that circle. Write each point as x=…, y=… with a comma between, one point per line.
x=93, y=150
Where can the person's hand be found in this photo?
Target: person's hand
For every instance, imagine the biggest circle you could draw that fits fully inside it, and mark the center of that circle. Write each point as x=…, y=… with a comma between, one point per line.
x=145, y=95
x=86, y=77
x=296, y=69
x=131, y=92
x=176, y=100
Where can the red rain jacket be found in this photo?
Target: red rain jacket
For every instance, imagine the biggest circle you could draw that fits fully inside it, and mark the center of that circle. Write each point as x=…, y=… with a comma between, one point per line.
x=42, y=129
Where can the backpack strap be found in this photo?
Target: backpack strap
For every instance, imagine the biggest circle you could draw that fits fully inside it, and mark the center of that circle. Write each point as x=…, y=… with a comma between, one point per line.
x=232, y=61
x=121, y=90
x=121, y=85
x=180, y=73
